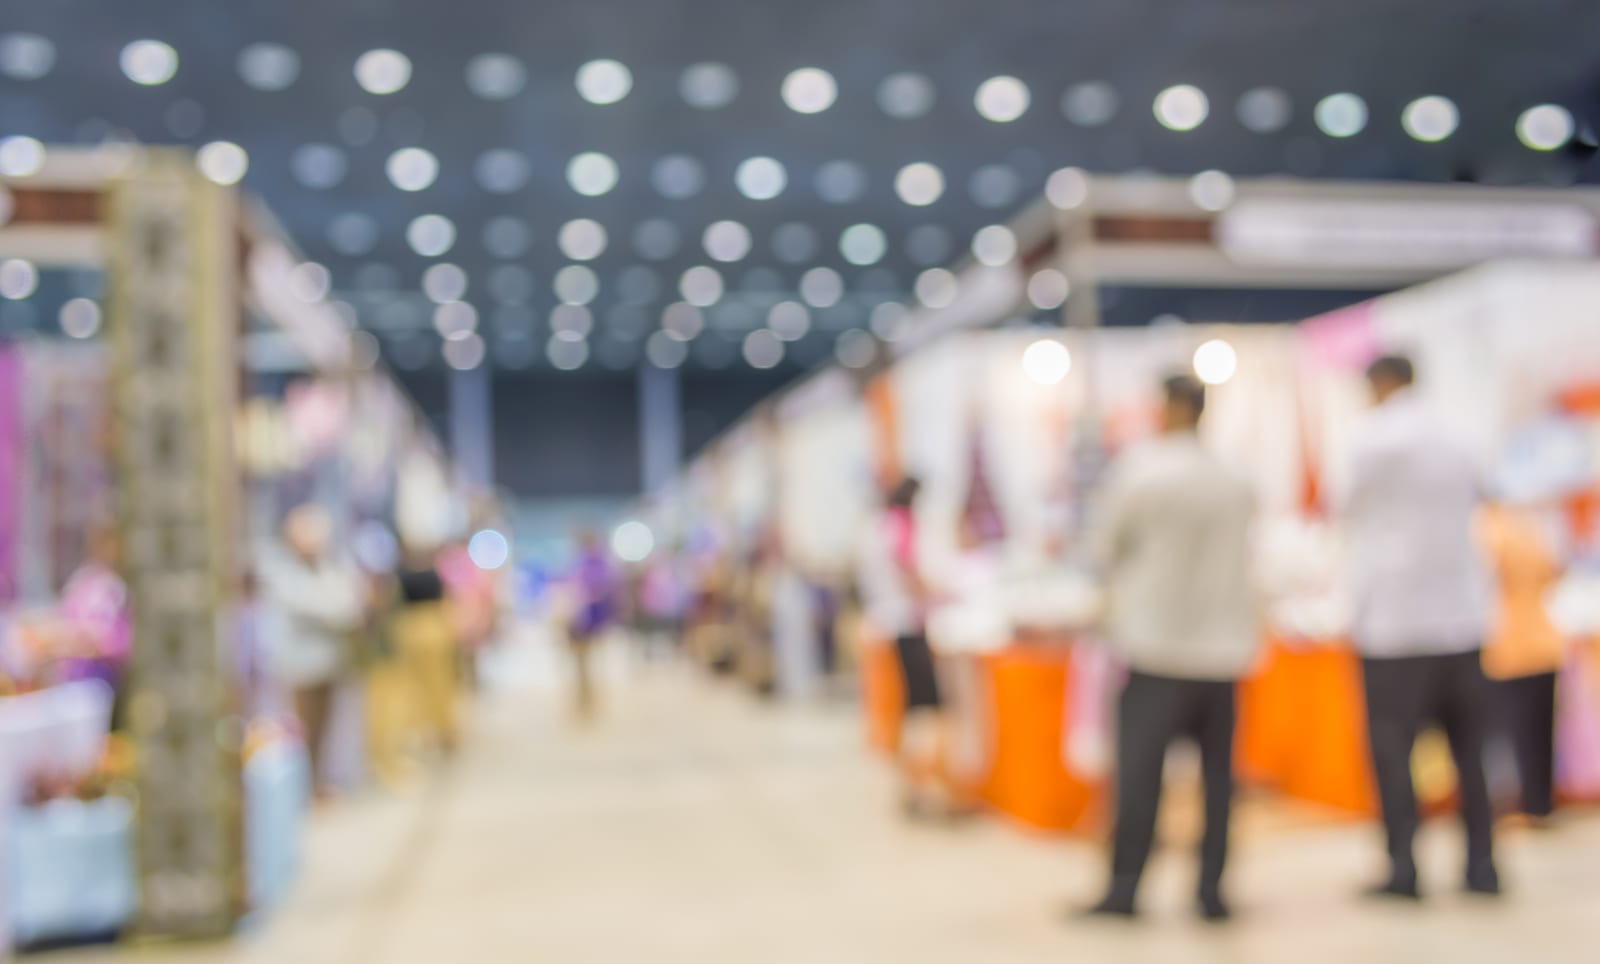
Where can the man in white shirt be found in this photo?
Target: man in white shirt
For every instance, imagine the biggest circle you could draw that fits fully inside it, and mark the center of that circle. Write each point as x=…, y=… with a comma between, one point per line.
x=1421, y=592
x=1175, y=547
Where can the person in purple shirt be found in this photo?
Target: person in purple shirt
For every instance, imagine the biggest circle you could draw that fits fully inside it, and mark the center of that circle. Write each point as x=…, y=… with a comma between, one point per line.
x=594, y=584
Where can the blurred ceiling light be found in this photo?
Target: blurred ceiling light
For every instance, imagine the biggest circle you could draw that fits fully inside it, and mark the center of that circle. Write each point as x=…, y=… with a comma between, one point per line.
x=507, y=237
x=488, y=549
x=683, y=321
x=582, y=239
x=855, y=348
x=149, y=63
x=794, y=243
x=994, y=245
x=708, y=86
x=20, y=156
x=638, y=285
x=937, y=288
x=26, y=56
x=919, y=184
x=760, y=178
x=1046, y=362
x=841, y=182
x=1545, y=127
x=665, y=351
x=572, y=322
x=1002, y=99
x=496, y=76
x=1341, y=115
x=318, y=166
x=431, y=235
x=821, y=287
x=633, y=542
x=455, y=319
x=464, y=354
x=929, y=244
x=604, y=81
x=789, y=320
x=567, y=354
x=763, y=349
x=1067, y=188
x=310, y=281
x=701, y=286
x=678, y=177
x=576, y=284
x=1167, y=321
x=1091, y=104
x=809, y=90
x=906, y=95
x=80, y=318
x=1265, y=110
x=412, y=169
x=889, y=320
x=1182, y=108
x=1048, y=289
x=502, y=170
x=444, y=283
x=656, y=239
x=269, y=67
x=358, y=126
x=383, y=71
x=18, y=279
x=592, y=174
x=1211, y=190
x=1430, y=119
x=995, y=186
x=727, y=241
x=222, y=162
x=1215, y=362
x=511, y=284
x=863, y=244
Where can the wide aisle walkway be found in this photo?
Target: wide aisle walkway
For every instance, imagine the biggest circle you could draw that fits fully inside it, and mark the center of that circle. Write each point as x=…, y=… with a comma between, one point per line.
x=694, y=825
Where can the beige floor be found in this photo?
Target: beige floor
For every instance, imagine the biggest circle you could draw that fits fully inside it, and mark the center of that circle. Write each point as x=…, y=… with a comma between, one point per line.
x=693, y=825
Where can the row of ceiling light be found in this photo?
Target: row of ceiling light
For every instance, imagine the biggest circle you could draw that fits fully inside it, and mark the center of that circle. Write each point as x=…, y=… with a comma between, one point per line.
x=810, y=90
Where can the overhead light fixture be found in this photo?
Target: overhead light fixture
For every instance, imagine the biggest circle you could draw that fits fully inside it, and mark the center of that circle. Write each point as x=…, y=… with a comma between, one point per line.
x=383, y=71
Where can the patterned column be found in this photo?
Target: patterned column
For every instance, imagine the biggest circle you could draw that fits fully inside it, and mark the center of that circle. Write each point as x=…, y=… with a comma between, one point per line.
x=173, y=316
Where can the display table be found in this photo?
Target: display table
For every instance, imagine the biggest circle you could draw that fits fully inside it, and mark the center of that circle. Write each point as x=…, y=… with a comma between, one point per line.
x=1302, y=728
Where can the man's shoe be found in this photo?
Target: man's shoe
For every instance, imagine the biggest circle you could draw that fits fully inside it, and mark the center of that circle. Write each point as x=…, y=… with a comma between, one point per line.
x=1213, y=909
x=1108, y=909
x=1484, y=882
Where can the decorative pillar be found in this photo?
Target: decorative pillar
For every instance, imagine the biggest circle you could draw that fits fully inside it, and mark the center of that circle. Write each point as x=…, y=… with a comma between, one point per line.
x=472, y=425
x=660, y=426
x=173, y=318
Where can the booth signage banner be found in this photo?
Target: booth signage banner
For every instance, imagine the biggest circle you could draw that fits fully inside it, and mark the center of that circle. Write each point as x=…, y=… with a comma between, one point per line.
x=173, y=321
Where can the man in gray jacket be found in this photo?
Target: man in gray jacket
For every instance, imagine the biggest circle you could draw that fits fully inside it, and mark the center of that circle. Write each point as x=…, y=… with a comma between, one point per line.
x=1175, y=548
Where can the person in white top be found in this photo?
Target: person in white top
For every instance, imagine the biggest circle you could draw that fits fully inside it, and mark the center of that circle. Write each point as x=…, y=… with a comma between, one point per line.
x=1174, y=546
x=1421, y=593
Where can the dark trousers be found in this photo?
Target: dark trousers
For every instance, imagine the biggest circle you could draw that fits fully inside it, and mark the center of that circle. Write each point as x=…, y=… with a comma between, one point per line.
x=1528, y=720
x=1155, y=711
x=1404, y=695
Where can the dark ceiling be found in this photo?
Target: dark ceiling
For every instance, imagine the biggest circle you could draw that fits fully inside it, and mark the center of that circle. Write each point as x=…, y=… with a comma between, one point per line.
x=1493, y=58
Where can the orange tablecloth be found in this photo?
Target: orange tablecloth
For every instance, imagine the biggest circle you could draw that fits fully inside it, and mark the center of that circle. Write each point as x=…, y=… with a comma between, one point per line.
x=1302, y=728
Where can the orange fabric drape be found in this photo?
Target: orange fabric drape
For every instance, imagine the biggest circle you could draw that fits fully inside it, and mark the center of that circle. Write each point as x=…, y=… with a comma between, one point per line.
x=884, y=414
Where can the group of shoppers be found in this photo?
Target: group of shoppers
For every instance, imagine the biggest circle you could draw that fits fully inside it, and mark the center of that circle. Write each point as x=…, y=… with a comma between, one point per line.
x=1173, y=548
x=328, y=623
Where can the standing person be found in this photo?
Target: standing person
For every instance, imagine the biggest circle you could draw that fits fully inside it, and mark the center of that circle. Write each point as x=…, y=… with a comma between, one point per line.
x=1175, y=549
x=425, y=630
x=1524, y=650
x=313, y=603
x=1420, y=591
x=895, y=598
x=594, y=588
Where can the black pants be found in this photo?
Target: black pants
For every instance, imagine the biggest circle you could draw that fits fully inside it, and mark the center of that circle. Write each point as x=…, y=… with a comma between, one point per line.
x=1403, y=696
x=1155, y=711
x=1528, y=720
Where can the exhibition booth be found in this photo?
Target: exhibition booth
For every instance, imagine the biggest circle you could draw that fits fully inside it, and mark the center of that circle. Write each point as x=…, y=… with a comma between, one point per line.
x=1009, y=423
x=197, y=384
